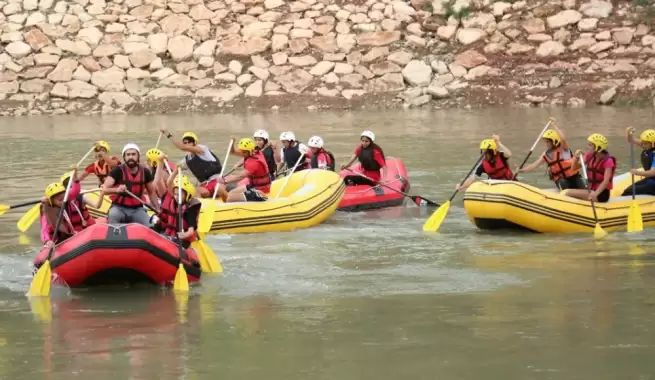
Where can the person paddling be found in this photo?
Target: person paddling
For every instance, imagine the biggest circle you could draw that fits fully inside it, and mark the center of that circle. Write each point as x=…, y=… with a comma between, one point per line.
x=255, y=169
x=371, y=157
x=135, y=178
x=200, y=160
x=168, y=222
x=600, y=170
x=494, y=164
x=153, y=155
x=559, y=158
x=77, y=202
x=291, y=151
x=103, y=164
x=266, y=147
x=320, y=158
x=646, y=141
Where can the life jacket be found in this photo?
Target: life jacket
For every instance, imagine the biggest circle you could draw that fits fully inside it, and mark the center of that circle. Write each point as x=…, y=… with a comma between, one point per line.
x=101, y=171
x=170, y=218
x=366, y=159
x=66, y=228
x=595, y=171
x=134, y=184
x=78, y=214
x=499, y=169
x=201, y=169
x=647, y=159
x=330, y=160
x=269, y=155
x=259, y=177
x=558, y=167
x=291, y=156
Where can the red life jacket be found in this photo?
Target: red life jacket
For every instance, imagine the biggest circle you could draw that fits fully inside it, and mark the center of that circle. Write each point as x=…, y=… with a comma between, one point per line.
x=596, y=172
x=257, y=167
x=101, y=171
x=169, y=218
x=134, y=184
x=559, y=167
x=78, y=215
x=329, y=158
x=499, y=170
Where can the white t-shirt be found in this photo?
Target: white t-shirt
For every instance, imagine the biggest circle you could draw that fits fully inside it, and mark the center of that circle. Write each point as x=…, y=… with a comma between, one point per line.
x=205, y=155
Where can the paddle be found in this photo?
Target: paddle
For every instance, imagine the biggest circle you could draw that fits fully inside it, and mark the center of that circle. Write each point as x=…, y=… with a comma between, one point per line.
x=286, y=180
x=5, y=208
x=207, y=216
x=420, y=201
x=434, y=221
x=181, y=282
x=26, y=221
x=40, y=286
x=599, y=233
x=635, y=221
x=550, y=121
x=158, y=139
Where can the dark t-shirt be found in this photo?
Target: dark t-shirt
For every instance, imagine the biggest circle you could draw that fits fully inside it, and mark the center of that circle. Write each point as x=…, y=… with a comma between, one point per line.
x=191, y=216
x=117, y=174
x=480, y=170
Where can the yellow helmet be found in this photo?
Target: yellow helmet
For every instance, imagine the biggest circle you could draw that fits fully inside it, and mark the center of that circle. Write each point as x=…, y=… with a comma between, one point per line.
x=488, y=144
x=53, y=189
x=190, y=135
x=103, y=144
x=648, y=136
x=186, y=186
x=153, y=155
x=64, y=177
x=246, y=144
x=599, y=141
x=552, y=135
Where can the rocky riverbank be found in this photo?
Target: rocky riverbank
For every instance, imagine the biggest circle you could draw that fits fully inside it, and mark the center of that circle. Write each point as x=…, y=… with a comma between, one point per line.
x=103, y=56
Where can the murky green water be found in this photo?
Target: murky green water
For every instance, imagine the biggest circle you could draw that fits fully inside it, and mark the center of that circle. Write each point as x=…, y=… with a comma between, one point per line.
x=364, y=296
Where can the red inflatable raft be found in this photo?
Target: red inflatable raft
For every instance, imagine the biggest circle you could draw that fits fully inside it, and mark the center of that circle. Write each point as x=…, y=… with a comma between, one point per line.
x=364, y=197
x=126, y=253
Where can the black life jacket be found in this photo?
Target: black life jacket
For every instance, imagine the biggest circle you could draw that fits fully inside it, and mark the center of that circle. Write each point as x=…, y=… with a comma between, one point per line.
x=291, y=156
x=269, y=155
x=365, y=158
x=201, y=169
x=647, y=158
x=314, y=160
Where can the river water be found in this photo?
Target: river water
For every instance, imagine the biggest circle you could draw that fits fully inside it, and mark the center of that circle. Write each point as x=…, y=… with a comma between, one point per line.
x=363, y=296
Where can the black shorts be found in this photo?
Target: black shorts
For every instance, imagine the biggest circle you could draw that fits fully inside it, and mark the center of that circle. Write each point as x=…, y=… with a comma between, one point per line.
x=604, y=196
x=253, y=195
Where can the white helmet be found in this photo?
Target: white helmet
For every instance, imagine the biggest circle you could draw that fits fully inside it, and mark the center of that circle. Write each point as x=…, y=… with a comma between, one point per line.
x=129, y=146
x=287, y=136
x=315, y=142
x=262, y=134
x=368, y=134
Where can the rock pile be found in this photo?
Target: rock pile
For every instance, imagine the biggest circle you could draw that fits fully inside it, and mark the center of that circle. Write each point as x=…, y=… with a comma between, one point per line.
x=131, y=55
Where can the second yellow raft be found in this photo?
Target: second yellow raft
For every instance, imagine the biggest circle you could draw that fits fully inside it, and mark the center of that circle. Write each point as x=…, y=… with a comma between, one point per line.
x=493, y=204
x=309, y=198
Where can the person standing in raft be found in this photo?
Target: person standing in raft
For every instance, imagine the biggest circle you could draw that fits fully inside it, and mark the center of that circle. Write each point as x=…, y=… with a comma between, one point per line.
x=168, y=222
x=371, y=157
x=646, y=141
x=255, y=169
x=201, y=161
x=292, y=150
x=494, y=164
x=559, y=158
x=600, y=170
x=320, y=158
x=135, y=178
x=103, y=164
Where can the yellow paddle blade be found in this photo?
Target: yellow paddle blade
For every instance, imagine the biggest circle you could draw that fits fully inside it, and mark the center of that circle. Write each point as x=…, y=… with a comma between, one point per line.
x=26, y=221
x=4, y=208
x=204, y=265
x=206, y=217
x=40, y=286
x=214, y=265
x=599, y=233
x=434, y=222
x=181, y=283
x=41, y=308
x=635, y=221
x=182, y=302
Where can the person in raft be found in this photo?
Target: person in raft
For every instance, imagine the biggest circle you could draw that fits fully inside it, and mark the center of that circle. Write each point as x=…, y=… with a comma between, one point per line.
x=76, y=217
x=494, y=164
x=559, y=158
x=291, y=152
x=168, y=222
x=271, y=155
x=371, y=157
x=103, y=164
x=320, y=158
x=600, y=170
x=152, y=156
x=255, y=169
x=135, y=178
x=646, y=141
x=201, y=161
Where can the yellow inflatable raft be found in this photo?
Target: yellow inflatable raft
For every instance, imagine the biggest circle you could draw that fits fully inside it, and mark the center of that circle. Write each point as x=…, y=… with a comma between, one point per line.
x=309, y=198
x=495, y=204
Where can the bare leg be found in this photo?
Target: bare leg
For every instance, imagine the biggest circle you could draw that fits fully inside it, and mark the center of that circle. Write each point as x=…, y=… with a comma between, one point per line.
x=237, y=195
x=578, y=193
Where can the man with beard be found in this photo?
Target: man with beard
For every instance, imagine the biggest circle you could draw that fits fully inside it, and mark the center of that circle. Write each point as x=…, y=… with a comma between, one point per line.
x=135, y=178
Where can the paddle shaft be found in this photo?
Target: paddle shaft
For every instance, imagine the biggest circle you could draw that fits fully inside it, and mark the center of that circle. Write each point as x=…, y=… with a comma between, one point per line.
x=586, y=179
x=632, y=165
x=158, y=140
x=85, y=156
x=386, y=186
x=467, y=176
x=286, y=180
x=149, y=207
x=227, y=157
x=59, y=218
x=532, y=149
